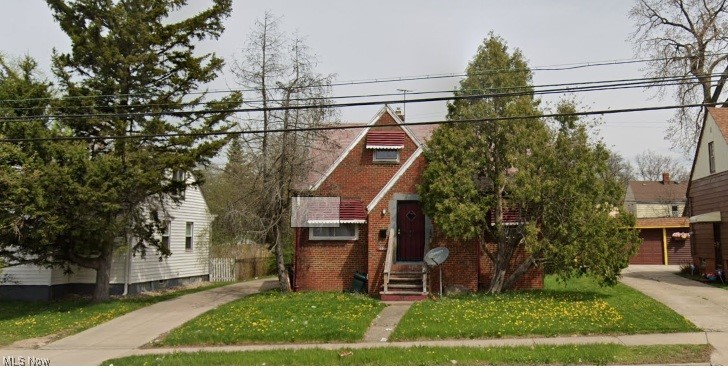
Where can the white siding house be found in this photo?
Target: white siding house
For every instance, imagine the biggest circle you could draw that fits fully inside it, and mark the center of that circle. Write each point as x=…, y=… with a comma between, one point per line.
x=189, y=243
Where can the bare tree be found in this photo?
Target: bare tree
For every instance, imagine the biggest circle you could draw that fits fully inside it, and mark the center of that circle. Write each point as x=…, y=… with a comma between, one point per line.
x=651, y=166
x=619, y=168
x=279, y=71
x=685, y=38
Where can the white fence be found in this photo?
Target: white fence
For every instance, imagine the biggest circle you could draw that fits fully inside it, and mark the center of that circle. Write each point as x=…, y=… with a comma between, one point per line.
x=223, y=269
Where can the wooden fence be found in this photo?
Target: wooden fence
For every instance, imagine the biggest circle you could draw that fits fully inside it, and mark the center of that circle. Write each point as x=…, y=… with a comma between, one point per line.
x=231, y=269
x=222, y=269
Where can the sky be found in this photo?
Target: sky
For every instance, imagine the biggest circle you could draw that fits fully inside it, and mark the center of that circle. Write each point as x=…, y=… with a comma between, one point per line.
x=364, y=40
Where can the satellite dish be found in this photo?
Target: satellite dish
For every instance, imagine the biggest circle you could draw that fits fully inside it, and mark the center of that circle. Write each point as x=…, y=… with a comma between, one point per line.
x=437, y=256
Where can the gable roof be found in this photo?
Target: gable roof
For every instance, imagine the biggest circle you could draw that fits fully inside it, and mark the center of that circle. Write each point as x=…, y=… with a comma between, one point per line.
x=720, y=116
x=658, y=192
x=362, y=134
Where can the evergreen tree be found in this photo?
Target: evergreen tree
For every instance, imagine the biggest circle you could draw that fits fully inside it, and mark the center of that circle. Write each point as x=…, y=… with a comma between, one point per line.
x=555, y=179
x=132, y=70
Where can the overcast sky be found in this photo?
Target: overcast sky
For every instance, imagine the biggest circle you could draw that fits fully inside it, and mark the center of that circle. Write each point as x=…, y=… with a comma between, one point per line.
x=361, y=40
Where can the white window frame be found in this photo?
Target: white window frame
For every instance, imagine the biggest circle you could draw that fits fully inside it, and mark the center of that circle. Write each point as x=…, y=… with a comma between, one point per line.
x=385, y=160
x=311, y=235
x=189, y=236
x=167, y=234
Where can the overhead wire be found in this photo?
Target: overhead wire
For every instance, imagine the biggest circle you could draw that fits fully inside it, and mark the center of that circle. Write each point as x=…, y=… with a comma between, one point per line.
x=358, y=126
x=547, y=68
x=179, y=113
x=646, y=81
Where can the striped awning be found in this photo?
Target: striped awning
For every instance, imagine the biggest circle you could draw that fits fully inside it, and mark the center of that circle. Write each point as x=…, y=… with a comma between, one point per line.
x=350, y=211
x=385, y=140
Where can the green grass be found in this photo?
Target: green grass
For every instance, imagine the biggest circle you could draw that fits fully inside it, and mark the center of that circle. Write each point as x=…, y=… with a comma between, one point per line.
x=580, y=307
x=24, y=320
x=274, y=317
x=592, y=354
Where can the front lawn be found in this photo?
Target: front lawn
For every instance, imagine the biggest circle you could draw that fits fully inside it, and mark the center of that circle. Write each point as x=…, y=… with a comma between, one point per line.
x=24, y=320
x=592, y=354
x=274, y=317
x=580, y=307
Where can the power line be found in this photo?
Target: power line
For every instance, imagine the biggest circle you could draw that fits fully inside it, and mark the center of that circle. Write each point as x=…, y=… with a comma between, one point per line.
x=177, y=113
x=547, y=68
x=648, y=81
x=346, y=127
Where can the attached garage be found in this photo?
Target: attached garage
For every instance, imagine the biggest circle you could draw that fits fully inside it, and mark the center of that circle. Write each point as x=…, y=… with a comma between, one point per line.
x=659, y=247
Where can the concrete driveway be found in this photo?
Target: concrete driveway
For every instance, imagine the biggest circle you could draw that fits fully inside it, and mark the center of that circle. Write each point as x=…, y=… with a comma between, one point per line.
x=705, y=306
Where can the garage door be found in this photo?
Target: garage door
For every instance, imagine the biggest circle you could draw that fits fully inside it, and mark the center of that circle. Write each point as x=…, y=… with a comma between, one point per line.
x=650, y=252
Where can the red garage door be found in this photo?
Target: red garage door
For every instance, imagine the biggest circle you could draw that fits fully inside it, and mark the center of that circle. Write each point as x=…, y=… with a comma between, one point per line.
x=650, y=252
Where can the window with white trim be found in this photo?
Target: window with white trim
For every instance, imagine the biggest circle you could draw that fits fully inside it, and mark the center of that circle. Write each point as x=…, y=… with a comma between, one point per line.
x=189, y=231
x=165, y=234
x=386, y=155
x=342, y=232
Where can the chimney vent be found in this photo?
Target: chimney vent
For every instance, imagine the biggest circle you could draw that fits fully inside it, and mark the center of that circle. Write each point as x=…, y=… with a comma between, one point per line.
x=398, y=112
x=665, y=178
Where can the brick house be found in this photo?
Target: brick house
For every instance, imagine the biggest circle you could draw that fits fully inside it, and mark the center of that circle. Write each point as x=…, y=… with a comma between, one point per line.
x=382, y=231
x=658, y=207
x=708, y=193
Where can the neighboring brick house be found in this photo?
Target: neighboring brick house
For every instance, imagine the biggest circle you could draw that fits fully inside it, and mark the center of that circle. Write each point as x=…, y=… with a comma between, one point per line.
x=658, y=207
x=382, y=231
x=708, y=193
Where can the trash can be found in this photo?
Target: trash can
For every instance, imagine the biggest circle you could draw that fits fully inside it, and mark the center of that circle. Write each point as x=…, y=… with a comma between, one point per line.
x=359, y=285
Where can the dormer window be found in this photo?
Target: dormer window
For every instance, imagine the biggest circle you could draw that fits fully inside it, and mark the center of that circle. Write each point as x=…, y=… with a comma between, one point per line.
x=386, y=145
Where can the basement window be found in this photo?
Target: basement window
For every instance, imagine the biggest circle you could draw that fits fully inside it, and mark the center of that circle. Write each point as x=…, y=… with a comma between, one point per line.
x=342, y=232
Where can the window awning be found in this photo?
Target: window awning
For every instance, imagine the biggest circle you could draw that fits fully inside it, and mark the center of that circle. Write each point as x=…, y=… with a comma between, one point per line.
x=350, y=211
x=385, y=140
x=706, y=217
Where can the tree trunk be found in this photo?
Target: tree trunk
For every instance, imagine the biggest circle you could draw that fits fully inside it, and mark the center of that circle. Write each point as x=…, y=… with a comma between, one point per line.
x=103, y=276
x=283, y=279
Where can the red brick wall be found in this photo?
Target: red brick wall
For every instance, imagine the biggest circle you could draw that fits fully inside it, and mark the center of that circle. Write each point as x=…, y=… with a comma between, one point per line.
x=467, y=266
x=330, y=265
x=357, y=176
x=327, y=265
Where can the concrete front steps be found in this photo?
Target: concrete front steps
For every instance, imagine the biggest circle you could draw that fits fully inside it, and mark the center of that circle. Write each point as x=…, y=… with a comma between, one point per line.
x=406, y=283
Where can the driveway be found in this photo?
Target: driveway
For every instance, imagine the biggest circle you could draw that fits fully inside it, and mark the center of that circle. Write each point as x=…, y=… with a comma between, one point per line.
x=703, y=305
x=122, y=335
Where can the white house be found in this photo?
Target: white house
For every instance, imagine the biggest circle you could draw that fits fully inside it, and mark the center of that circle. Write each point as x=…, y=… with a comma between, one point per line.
x=189, y=242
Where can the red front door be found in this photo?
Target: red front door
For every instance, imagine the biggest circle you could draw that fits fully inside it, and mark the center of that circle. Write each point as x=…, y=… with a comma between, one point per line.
x=410, y=231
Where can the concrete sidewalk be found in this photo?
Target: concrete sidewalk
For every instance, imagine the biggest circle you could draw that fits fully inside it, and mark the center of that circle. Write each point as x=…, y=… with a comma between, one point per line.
x=122, y=335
